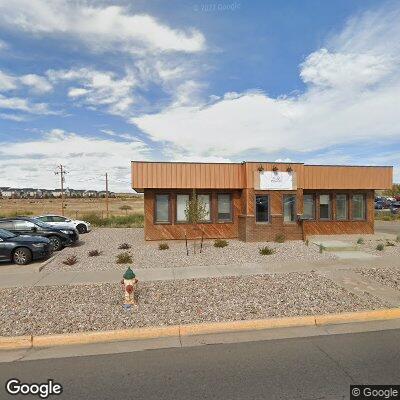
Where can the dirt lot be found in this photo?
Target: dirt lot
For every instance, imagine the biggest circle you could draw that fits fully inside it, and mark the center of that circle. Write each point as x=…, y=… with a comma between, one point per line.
x=61, y=309
x=74, y=208
x=147, y=255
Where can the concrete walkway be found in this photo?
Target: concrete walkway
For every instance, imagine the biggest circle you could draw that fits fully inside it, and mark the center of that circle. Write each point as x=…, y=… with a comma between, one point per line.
x=31, y=278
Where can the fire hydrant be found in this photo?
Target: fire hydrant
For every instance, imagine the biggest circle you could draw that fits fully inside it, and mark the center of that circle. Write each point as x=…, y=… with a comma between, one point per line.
x=129, y=283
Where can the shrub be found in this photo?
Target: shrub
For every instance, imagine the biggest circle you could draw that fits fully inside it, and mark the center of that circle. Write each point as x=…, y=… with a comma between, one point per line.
x=71, y=260
x=124, y=258
x=307, y=242
x=360, y=241
x=163, y=246
x=220, y=243
x=321, y=248
x=380, y=247
x=280, y=238
x=266, y=251
x=94, y=253
x=120, y=221
x=398, y=238
x=124, y=246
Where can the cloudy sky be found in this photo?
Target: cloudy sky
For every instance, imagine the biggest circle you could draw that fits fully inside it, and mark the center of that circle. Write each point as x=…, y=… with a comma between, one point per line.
x=96, y=84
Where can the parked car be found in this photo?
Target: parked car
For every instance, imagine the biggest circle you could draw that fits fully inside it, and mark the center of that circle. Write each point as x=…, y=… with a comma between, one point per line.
x=379, y=205
x=57, y=220
x=59, y=236
x=22, y=249
x=395, y=207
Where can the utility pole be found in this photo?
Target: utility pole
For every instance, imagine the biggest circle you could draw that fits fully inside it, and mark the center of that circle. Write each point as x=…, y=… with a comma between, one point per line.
x=61, y=171
x=107, y=195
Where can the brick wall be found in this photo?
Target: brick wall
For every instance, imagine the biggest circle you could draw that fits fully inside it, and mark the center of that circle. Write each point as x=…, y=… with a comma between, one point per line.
x=252, y=231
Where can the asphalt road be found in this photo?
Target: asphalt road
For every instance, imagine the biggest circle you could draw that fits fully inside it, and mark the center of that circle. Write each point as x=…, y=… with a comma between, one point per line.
x=319, y=367
x=392, y=227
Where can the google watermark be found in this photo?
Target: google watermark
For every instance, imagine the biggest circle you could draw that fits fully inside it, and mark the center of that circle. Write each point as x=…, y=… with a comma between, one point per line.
x=374, y=392
x=43, y=390
x=216, y=7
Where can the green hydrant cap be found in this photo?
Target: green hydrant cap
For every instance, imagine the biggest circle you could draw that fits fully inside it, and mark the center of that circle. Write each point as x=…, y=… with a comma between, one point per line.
x=129, y=274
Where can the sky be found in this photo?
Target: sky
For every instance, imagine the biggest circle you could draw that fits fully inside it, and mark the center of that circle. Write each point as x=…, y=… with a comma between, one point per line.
x=93, y=85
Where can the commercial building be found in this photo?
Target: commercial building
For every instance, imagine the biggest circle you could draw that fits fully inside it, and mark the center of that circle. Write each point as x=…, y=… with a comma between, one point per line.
x=256, y=201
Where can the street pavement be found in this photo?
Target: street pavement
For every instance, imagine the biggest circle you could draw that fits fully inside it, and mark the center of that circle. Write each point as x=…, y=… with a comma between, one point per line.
x=319, y=367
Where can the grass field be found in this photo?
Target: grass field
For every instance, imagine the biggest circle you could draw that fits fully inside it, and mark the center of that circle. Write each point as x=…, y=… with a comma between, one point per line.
x=74, y=208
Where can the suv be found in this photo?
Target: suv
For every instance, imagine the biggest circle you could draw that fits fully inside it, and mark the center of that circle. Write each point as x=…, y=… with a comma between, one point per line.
x=23, y=249
x=57, y=220
x=59, y=237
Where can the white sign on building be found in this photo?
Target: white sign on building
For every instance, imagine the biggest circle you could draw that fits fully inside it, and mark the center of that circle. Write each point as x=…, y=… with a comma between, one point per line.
x=275, y=180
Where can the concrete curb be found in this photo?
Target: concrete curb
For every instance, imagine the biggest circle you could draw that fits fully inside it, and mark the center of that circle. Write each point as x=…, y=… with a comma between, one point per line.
x=26, y=342
x=48, y=261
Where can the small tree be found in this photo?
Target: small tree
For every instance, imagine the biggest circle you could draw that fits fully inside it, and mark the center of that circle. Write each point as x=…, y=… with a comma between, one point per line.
x=125, y=208
x=195, y=212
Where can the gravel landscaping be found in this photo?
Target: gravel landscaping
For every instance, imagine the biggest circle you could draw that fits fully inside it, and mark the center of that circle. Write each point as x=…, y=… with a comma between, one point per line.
x=62, y=309
x=147, y=255
x=386, y=276
x=391, y=246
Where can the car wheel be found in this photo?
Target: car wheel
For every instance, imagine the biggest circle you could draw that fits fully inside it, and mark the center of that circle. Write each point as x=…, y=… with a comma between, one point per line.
x=56, y=243
x=81, y=228
x=22, y=256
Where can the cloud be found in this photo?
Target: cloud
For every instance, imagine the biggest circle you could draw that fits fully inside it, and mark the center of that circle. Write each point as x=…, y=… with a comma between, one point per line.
x=86, y=158
x=3, y=45
x=21, y=104
x=352, y=87
x=101, y=28
x=98, y=88
x=38, y=84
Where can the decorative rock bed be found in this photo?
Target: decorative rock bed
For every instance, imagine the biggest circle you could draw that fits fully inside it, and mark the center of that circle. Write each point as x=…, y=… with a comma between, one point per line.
x=147, y=254
x=386, y=276
x=62, y=309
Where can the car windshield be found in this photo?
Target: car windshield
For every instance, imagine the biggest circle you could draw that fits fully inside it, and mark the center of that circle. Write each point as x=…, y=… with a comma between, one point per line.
x=6, y=234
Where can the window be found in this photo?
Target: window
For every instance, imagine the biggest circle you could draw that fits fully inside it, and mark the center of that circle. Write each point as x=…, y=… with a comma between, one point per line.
x=309, y=206
x=341, y=207
x=224, y=208
x=324, y=206
x=289, y=208
x=23, y=225
x=58, y=219
x=358, y=206
x=262, y=209
x=205, y=200
x=8, y=225
x=162, y=208
x=182, y=201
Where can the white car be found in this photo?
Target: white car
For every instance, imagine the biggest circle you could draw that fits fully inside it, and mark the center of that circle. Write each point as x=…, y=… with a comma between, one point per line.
x=81, y=226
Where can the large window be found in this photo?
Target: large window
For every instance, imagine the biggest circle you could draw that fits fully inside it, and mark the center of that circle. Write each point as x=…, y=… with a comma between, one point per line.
x=309, y=206
x=182, y=201
x=224, y=208
x=162, y=208
x=358, y=206
x=324, y=206
x=289, y=208
x=262, y=209
x=341, y=207
x=205, y=200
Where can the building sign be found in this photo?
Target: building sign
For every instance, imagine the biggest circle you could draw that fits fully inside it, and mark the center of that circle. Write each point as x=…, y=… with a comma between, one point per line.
x=276, y=180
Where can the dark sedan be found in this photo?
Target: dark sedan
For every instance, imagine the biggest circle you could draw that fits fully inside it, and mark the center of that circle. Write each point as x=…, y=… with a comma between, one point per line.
x=395, y=207
x=59, y=236
x=22, y=249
